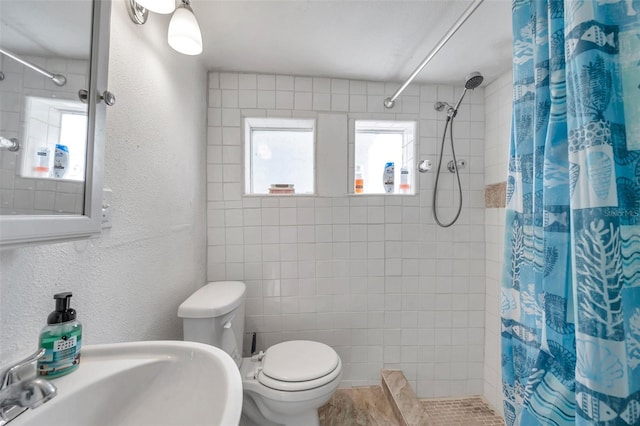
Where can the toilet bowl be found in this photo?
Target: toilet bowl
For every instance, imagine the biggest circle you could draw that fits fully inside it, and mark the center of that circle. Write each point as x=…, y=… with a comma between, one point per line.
x=290, y=381
x=286, y=384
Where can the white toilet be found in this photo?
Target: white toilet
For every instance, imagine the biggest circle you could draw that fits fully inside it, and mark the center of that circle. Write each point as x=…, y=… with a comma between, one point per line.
x=287, y=383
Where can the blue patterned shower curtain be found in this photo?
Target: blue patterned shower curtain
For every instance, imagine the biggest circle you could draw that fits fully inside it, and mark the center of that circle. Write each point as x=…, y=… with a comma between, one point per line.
x=571, y=281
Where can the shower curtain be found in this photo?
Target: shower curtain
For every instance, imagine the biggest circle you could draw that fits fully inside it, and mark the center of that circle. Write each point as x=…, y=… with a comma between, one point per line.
x=570, y=299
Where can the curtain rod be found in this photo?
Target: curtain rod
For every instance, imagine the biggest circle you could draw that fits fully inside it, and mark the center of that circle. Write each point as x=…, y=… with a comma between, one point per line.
x=58, y=79
x=389, y=102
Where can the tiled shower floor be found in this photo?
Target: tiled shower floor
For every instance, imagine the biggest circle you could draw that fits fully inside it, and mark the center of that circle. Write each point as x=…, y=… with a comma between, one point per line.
x=472, y=411
x=368, y=406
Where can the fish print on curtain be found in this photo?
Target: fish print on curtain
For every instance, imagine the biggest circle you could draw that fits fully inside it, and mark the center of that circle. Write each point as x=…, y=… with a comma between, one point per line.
x=570, y=300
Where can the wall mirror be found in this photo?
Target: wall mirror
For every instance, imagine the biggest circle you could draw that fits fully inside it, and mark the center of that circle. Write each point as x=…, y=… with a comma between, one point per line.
x=53, y=78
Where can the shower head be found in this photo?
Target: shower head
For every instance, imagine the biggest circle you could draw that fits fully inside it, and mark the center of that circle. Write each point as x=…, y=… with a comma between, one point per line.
x=473, y=80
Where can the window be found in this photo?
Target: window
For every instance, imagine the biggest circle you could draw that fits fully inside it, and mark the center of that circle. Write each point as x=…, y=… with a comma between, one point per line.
x=73, y=134
x=378, y=143
x=279, y=156
x=50, y=123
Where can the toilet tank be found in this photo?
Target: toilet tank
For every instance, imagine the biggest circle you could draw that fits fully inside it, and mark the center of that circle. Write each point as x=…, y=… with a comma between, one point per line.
x=214, y=315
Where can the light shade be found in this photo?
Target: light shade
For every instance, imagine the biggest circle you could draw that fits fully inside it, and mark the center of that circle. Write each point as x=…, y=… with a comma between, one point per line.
x=184, y=31
x=158, y=6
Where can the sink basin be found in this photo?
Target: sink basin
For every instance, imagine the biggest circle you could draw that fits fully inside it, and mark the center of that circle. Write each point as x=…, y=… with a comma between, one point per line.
x=145, y=383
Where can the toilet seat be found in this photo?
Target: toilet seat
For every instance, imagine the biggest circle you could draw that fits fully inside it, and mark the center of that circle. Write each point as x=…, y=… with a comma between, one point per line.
x=299, y=365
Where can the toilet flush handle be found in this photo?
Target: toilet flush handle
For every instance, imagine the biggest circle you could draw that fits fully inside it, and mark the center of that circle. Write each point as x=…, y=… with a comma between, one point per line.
x=228, y=323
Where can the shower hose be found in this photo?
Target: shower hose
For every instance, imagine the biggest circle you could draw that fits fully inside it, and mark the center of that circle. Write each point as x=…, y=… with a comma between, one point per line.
x=434, y=207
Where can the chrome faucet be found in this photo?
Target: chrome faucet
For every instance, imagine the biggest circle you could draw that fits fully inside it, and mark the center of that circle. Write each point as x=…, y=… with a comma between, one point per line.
x=20, y=388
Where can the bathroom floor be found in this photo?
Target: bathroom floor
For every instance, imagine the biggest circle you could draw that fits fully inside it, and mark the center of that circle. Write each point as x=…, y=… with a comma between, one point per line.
x=362, y=406
x=368, y=406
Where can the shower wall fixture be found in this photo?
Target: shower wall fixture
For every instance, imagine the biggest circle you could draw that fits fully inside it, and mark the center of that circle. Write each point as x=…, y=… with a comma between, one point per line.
x=390, y=102
x=472, y=81
x=58, y=79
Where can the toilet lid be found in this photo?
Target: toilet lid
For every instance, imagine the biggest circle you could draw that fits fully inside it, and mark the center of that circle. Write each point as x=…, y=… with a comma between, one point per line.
x=300, y=386
x=299, y=361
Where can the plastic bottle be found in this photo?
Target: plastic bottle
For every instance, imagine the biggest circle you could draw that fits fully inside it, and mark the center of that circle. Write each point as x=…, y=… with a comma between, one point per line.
x=41, y=163
x=60, y=161
x=388, y=178
x=61, y=339
x=359, y=180
x=404, y=180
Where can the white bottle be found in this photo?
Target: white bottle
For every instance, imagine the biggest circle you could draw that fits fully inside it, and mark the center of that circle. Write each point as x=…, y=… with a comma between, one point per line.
x=61, y=161
x=404, y=180
x=359, y=180
x=41, y=164
x=388, y=178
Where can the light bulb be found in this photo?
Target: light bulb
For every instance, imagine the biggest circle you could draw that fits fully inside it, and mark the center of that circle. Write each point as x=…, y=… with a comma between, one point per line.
x=158, y=6
x=184, y=31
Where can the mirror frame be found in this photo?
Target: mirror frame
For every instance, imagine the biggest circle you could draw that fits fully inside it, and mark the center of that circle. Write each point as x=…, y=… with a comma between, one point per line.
x=17, y=230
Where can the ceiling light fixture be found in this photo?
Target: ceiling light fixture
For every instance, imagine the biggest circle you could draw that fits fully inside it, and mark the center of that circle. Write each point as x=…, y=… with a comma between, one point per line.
x=184, y=33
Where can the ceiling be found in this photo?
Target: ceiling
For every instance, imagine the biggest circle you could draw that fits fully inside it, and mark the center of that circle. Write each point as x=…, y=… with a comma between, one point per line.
x=371, y=40
x=356, y=39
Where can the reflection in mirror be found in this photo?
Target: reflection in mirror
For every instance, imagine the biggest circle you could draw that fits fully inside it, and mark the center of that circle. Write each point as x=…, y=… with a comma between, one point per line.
x=45, y=50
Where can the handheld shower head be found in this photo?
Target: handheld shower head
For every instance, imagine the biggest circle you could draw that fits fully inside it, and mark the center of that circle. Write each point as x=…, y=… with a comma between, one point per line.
x=473, y=80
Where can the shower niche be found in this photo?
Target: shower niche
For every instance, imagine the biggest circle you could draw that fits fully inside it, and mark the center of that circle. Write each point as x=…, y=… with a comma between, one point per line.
x=383, y=157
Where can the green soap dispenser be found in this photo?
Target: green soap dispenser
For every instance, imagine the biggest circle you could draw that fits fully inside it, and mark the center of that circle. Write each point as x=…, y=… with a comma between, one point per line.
x=61, y=339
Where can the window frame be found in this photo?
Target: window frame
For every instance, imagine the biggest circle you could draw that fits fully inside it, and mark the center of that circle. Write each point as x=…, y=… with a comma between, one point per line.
x=252, y=124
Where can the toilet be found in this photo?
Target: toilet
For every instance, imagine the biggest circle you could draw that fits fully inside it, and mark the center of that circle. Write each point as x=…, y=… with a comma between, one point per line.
x=284, y=385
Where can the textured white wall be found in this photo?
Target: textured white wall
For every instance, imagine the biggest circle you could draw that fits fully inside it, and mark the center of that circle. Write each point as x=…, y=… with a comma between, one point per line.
x=498, y=97
x=372, y=276
x=128, y=284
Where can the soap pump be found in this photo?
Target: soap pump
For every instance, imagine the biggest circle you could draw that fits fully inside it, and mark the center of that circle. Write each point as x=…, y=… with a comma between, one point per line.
x=61, y=339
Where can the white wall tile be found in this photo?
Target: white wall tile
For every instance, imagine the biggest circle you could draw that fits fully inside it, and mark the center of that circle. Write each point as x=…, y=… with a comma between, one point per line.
x=321, y=101
x=266, y=99
x=266, y=82
x=229, y=99
x=303, y=100
x=321, y=85
x=339, y=86
x=344, y=268
x=247, y=82
x=246, y=98
x=303, y=84
x=229, y=80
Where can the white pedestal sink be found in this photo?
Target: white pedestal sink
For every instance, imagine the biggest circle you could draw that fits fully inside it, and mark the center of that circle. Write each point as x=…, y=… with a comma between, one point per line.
x=145, y=383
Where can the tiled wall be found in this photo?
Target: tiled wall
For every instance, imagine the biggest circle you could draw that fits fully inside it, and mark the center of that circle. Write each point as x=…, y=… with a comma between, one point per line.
x=372, y=276
x=23, y=195
x=498, y=97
